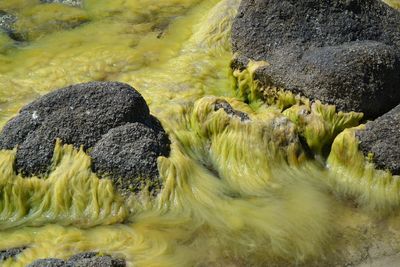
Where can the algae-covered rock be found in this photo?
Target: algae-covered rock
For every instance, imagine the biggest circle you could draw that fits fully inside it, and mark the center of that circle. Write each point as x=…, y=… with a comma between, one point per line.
x=354, y=175
x=345, y=53
x=381, y=137
x=222, y=104
x=10, y=253
x=83, y=115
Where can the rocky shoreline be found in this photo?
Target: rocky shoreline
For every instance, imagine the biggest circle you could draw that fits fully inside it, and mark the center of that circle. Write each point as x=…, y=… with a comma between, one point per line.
x=345, y=53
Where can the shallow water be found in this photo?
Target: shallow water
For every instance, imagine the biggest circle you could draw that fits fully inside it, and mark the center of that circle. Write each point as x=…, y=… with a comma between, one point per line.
x=235, y=193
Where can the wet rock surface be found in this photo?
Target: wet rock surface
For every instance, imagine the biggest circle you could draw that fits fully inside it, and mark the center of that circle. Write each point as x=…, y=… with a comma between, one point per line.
x=87, y=115
x=10, y=253
x=87, y=259
x=382, y=138
x=345, y=53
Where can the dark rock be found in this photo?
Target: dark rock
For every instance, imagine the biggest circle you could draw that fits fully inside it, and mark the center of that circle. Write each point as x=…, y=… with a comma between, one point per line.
x=92, y=259
x=341, y=52
x=98, y=261
x=382, y=138
x=7, y=22
x=221, y=104
x=83, y=115
x=10, y=253
x=83, y=255
x=74, y=3
x=86, y=259
x=130, y=151
x=17, y=129
x=48, y=263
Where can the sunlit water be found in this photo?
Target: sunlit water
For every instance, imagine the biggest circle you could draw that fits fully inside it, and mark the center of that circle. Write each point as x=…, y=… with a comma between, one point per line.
x=235, y=193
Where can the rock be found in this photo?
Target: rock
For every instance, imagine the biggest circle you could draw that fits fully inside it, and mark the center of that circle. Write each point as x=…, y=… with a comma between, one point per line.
x=10, y=253
x=7, y=22
x=74, y=3
x=48, y=263
x=83, y=255
x=86, y=259
x=130, y=150
x=342, y=52
x=89, y=115
x=98, y=261
x=230, y=111
x=92, y=259
x=382, y=138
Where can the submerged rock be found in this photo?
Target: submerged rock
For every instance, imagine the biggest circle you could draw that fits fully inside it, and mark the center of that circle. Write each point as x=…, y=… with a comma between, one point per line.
x=75, y=3
x=7, y=21
x=87, y=115
x=345, y=53
x=86, y=259
x=382, y=138
x=7, y=24
x=40, y=20
x=10, y=253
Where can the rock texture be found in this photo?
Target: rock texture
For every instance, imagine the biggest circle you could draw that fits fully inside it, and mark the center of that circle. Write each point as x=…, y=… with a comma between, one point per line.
x=89, y=115
x=48, y=263
x=230, y=111
x=382, y=138
x=10, y=253
x=135, y=148
x=7, y=22
x=87, y=259
x=74, y=3
x=342, y=52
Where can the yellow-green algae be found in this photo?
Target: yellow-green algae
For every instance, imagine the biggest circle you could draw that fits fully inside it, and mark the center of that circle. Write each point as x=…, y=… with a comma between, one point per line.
x=236, y=193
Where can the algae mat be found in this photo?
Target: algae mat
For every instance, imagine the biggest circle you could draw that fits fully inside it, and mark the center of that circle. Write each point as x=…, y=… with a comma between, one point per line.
x=236, y=193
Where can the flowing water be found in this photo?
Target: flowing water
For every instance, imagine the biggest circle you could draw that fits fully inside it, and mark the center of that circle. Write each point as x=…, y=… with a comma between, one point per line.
x=236, y=193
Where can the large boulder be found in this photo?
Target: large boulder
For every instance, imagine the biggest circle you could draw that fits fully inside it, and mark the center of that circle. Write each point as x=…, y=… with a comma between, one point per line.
x=85, y=115
x=381, y=137
x=342, y=52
